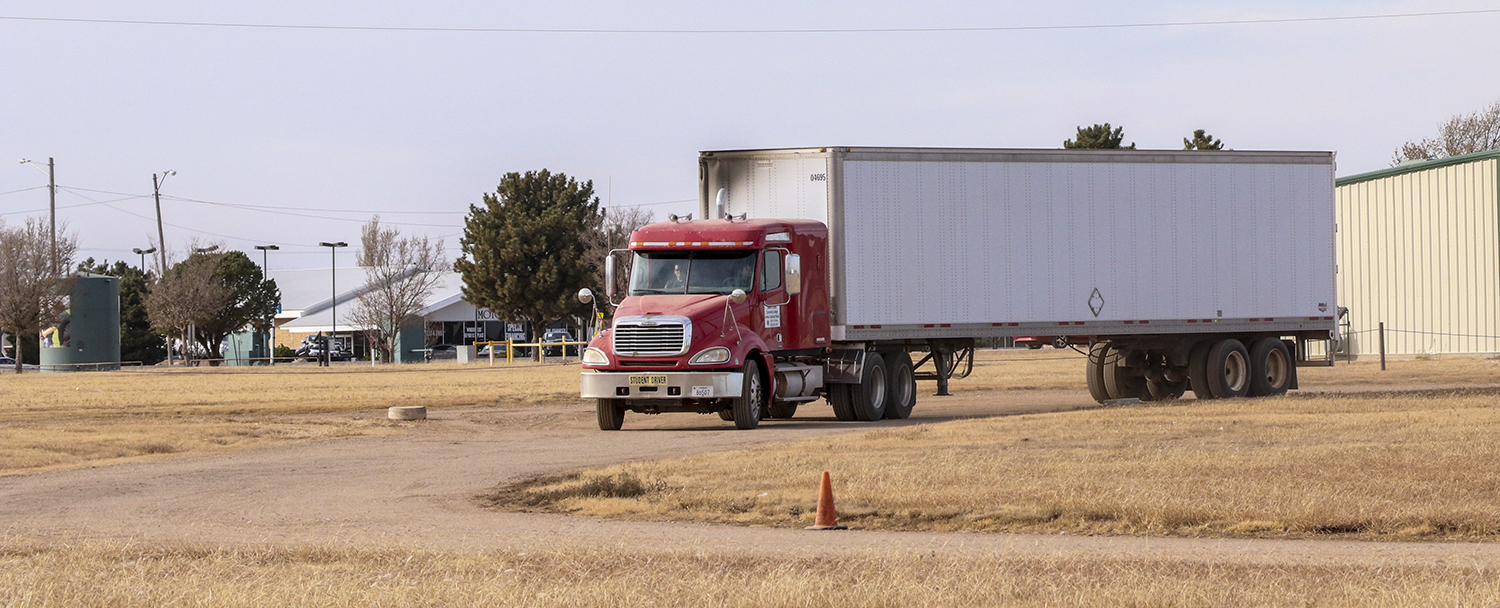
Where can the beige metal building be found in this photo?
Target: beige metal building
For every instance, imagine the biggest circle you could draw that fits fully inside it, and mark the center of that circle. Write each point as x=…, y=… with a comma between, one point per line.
x=1418, y=248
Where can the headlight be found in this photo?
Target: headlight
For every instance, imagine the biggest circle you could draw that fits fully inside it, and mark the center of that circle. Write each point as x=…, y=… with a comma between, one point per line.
x=594, y=356
x=710, y=356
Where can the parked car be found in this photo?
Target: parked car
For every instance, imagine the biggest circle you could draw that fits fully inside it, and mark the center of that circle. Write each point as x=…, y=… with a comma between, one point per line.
x=558, y=335
x=311, y=349
x=4, y=360
x=444, y=351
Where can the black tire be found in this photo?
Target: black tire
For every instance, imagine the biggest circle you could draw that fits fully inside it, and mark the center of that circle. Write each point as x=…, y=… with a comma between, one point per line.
x=1270, y=367
x=726, y=415
x=1034, y=345
x=843, y=405
x=869, y=396
x=611, y=414
x=750, y=405
x=782, y=410
x=1165, y=390
x=1119, y=381
x=1228, y=369
x=901, y=385
x=1094, y=371
x=1198, y=370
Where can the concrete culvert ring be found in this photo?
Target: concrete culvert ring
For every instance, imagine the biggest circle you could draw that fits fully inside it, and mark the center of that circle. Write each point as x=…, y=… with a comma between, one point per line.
x=407, y=412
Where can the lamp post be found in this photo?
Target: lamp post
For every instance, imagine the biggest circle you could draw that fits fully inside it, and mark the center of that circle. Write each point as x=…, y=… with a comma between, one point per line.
x=265, y=271
x=161, y=239
x=333, y=252
x=142, y=253
x=51, y=204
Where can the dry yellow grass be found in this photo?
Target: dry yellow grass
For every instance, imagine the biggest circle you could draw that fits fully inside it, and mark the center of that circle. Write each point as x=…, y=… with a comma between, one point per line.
x=1409, y=465
x=52, y=420
x=103, y=574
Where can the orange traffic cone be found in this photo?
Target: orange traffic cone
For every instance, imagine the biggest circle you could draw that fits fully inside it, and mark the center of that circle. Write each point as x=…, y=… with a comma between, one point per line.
x=827, y=519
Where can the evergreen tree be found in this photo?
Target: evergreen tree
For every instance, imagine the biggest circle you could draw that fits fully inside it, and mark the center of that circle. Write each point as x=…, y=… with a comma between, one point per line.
x=1098, y=137
x=137, y=341
x=526, y=250
x=1202, y=141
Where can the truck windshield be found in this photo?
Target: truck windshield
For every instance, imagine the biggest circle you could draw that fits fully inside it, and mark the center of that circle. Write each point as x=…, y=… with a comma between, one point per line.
x=716, y=272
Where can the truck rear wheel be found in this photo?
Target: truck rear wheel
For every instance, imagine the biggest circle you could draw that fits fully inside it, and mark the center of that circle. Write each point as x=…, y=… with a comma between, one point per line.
x=1228, y=367
x=782, y=410
x=1270, y=367
x=747, y=408
x=1094, y=371
x=843, y=405
x=901, y=385
x=868, y=397
x=611, y=414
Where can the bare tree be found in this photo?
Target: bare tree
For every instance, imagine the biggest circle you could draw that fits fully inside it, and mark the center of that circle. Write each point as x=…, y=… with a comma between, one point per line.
x=1462, y=134
x=402, y=273
x=32, y=289
x=190, y=292
x=613, y=232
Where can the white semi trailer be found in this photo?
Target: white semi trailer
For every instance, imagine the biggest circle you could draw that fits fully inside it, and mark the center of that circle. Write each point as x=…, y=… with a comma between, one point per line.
x=1175, y=269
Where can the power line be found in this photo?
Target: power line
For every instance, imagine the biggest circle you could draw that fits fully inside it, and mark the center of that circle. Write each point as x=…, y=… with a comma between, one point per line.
x=22, y=190
x=249, y=206
x=876, y=30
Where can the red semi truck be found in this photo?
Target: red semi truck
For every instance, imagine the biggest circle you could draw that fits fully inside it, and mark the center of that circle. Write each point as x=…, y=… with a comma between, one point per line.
x=825, y=270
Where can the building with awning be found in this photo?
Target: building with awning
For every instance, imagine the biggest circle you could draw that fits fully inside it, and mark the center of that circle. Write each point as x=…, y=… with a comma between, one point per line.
x=308, y=305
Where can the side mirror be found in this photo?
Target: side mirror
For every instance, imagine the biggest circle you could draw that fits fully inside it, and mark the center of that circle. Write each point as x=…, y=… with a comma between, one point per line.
x=793, y=274
x=609, y=275
x=722, y=201
x=585, y=296
x=737, y=295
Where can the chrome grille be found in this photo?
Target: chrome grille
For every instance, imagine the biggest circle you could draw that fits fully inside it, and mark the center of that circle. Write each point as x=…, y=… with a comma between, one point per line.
x=652, y=337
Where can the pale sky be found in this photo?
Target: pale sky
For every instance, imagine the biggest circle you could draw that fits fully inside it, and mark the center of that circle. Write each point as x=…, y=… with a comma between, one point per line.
x=343, y=124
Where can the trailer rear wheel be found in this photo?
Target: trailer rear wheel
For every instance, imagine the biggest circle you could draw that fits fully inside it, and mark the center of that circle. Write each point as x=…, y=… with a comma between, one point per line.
x=726, y=415
x=611, y=414
x=1270, y=367
x=1198, y=370
x=747, y=408
x=901, y=386
x=1228, y=366
x=1119, y=381
x=868, y=397
x=1094, y=371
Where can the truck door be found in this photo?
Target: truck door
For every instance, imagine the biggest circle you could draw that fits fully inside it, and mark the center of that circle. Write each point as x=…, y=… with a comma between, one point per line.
x=777, y=315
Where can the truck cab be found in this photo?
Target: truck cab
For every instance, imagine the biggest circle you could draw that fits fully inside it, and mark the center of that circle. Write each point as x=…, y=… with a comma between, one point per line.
x=715, y=317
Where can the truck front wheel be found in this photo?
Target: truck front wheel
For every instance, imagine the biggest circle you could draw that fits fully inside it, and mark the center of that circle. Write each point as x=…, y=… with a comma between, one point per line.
x=749, y=406
x=611, y=414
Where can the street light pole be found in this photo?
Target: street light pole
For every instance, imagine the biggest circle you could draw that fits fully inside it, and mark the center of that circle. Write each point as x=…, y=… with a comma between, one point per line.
x=142, y=253
x=265, y=271
x=333, y=251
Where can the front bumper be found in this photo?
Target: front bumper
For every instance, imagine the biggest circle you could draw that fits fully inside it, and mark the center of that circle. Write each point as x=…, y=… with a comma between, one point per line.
x=679, y=385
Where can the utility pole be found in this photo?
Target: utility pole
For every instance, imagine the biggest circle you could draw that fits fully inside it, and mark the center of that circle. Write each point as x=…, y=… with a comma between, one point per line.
x=265, y=271
x=51, y=205
x=161, y=239
x=52, y=209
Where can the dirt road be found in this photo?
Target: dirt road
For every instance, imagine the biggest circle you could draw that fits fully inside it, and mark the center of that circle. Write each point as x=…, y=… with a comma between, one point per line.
x=419, y=490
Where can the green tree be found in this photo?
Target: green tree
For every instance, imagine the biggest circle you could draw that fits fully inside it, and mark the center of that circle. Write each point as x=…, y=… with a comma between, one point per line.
x=252, y=301
x=526, y=250
x=1202, y=141
x=137, y=341
x=1098, y=137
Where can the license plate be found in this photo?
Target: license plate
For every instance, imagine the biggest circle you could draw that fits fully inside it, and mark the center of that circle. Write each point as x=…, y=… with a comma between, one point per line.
x=646, y=380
